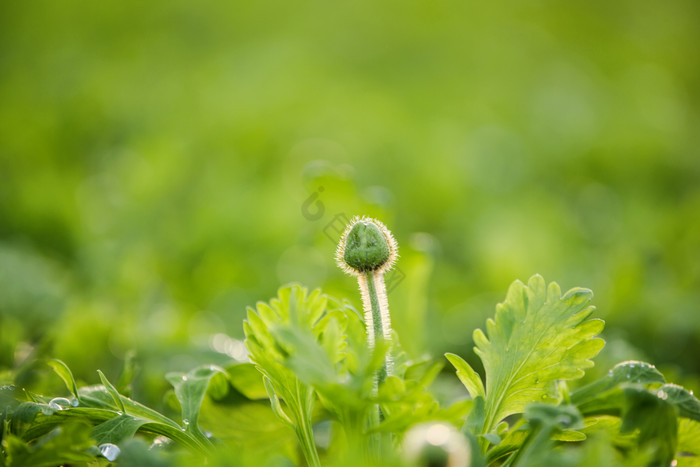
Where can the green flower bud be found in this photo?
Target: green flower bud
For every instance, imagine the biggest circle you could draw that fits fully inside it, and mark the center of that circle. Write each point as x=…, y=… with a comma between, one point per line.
x=366, y=246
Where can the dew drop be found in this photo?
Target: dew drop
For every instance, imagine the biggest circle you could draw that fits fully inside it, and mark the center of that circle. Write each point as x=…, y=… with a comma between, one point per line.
x=74, y=403
x=160, y=442
x=59, y=403
x=109, y=451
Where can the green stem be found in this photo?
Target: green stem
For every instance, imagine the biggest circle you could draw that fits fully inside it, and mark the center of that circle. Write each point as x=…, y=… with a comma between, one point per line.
x=303, y=428
x=306, y=436
x=377, y=335
x=377, y=323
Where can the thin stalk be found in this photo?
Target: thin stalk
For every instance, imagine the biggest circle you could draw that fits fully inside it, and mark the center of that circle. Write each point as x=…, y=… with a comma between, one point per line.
x=377, y=319
x=306, y=436
x=378, y=331
x=304, y=431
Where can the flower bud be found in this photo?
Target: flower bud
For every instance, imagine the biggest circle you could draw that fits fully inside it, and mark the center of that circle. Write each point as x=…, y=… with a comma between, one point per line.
x=366, y=245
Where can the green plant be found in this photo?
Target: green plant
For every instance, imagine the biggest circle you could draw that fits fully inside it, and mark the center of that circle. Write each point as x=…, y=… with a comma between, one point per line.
x=342, y=390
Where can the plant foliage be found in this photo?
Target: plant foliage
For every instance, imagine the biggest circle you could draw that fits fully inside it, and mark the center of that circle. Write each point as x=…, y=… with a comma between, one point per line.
x=312, y=365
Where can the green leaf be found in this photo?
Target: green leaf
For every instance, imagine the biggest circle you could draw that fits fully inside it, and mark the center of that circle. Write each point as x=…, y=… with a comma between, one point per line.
x=544, y=422
x=98, y=406
x=622, y=373
x=249, y=430
x=69, y=443
x=66, y=375
x=537, y=337
x=560, y=417
x=190, y=389
x=688, y=449
x=492, y=438
x=467, y=375
x=112, y=391
x=687, y=404
x=247, y=380
x=117, y=429
x=477, y=416
x=654, y=418
x=275, y=402
x=570, y=436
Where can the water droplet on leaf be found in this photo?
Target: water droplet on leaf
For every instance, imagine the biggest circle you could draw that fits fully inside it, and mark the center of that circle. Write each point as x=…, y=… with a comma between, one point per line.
x=59, y=403
x=109, y=451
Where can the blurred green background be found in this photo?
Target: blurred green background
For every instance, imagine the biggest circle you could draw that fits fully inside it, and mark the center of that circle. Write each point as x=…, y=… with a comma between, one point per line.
x=165, y=164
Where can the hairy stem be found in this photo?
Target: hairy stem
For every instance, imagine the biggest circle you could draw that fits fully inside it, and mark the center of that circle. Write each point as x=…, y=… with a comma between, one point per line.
x=377, y=317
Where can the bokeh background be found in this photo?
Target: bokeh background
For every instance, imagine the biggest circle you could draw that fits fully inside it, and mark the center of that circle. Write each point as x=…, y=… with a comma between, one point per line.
x=165, y=164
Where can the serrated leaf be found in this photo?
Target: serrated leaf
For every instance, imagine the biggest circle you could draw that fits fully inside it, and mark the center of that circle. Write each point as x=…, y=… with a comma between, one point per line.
x=467, y=375
x=537, y=337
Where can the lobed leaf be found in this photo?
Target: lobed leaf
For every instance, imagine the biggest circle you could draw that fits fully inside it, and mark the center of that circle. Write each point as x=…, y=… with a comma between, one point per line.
x=537, y=337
